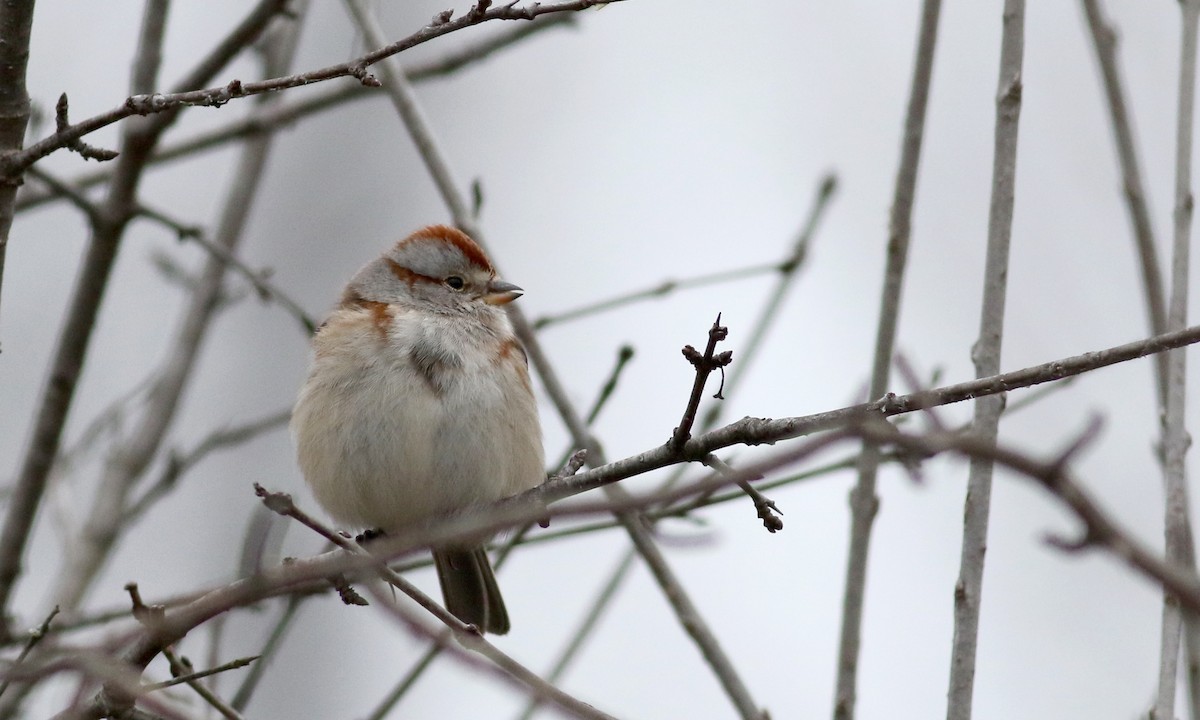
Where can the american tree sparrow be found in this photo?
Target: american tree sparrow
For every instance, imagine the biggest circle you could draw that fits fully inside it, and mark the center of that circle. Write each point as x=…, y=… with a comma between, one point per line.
x=418, y=405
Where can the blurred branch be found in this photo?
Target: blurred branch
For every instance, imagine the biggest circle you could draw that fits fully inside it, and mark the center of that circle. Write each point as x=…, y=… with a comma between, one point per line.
x=147, y=102
x=284, y=114
x=662, y=289
x=407, y=682
x=177, y=464
x=35, y=637
x=786, y=269
x=260, y=279
x=16, y=20
x=1104, y=40
x=587, y=625
x=864, y=503
x=1100, y=530
x=129, y=459
x=968, y=590
x=75, y=334
x=1180, y=547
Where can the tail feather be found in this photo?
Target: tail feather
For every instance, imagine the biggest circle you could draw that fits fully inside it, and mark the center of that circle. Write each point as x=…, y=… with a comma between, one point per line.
x=469, y=588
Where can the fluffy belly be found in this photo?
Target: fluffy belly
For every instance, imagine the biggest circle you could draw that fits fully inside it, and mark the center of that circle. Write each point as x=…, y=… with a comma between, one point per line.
x=387, y=450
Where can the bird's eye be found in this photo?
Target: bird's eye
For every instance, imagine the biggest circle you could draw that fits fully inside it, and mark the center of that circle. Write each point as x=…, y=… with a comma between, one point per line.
x=455, y=282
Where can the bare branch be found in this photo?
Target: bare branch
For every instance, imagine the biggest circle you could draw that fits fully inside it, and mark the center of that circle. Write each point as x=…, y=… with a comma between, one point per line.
x=16, y=19
x=75, y=335
x=704, y=363
x=968, y=590
x=130, y=458
x=662, y=289
x=149, y=103
x=285, y=114
x=258, y=279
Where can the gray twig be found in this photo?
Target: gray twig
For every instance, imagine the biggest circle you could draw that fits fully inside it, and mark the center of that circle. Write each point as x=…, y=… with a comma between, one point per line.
x=968, y=590
x=1179, y=542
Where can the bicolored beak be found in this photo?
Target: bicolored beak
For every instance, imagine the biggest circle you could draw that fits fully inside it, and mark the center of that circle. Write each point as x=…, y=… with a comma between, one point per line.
x=501, y=293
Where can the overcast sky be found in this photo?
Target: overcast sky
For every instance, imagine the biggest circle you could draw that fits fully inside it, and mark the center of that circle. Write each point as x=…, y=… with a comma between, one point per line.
x=663, y=139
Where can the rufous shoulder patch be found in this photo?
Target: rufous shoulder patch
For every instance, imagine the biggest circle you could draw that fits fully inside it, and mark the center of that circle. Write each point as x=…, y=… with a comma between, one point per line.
x=380, y=318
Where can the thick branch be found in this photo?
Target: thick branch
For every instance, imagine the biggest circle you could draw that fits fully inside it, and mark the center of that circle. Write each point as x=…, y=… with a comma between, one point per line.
x=16, y=20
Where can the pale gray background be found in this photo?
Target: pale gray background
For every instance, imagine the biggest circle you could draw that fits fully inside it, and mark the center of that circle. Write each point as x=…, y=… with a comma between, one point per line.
x=663, y=139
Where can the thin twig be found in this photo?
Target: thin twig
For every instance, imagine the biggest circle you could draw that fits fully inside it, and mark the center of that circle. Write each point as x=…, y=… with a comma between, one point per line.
x=182, y=670
x=35, y=637
x=190, y=677
x=767, y=511
x=267, y=291
x=704, y=363
x=662, y=289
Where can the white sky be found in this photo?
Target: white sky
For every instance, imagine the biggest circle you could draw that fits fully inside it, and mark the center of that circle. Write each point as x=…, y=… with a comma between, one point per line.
x=664, y=139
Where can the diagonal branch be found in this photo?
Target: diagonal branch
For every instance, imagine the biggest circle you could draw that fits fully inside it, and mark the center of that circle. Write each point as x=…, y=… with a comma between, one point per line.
x=285, y=114
x=150, y=103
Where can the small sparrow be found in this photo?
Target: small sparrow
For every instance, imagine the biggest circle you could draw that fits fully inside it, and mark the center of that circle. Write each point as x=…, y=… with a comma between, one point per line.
x=418, y=405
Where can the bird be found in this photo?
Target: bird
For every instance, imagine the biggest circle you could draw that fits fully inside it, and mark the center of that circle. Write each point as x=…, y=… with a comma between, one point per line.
x=418, y=405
